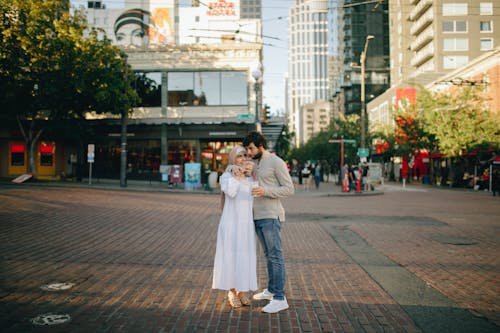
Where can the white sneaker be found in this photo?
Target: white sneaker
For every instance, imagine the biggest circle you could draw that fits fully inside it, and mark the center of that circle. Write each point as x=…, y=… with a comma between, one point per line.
x=276, y=305
x=265, y=294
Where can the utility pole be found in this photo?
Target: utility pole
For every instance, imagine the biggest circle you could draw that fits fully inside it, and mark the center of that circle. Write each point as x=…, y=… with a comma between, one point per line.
x=123, y=153
x=363, y=104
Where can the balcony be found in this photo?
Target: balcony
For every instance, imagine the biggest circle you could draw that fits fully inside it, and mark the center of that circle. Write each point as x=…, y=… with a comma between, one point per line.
x=422, y=39
x=422, y=22
x=419, y=9
x=423, y=55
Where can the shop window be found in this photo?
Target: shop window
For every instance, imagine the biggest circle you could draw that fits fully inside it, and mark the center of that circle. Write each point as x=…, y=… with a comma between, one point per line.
x=17, y=151
x=207, y=88
x=46, y=154
x=148, y=87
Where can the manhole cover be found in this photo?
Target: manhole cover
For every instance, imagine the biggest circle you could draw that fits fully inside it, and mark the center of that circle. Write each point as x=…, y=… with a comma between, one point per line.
x=50, y=319
x=454, y=240
x=57, y=286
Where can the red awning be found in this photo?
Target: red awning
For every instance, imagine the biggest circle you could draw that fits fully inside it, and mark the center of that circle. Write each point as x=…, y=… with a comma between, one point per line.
x=437, y=155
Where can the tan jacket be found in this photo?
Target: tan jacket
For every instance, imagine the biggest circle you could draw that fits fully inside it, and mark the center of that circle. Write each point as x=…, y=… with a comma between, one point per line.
x=272, y=174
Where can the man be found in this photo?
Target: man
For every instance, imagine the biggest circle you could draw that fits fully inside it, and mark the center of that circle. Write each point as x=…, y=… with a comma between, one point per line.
x=268, y=213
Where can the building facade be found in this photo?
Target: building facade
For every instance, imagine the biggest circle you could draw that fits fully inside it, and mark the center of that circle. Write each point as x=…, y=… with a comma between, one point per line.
x=315, y=118
x=359, y=22
x=308, y=61
x=193, y=72
x=431, y=39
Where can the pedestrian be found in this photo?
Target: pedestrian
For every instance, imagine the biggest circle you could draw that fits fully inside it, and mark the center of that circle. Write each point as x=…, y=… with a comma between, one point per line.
x=317, y=175
x=306, y=172
x=235, y=263
x=269, y=215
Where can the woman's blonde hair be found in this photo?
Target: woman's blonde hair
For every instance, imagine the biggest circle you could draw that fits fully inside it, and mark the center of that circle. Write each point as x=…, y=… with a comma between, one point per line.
x=234, y=153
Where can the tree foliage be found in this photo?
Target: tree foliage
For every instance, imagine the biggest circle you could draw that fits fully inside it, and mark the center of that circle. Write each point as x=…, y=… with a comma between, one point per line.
x=319, y=147
x=459, y=119
x=50, y=70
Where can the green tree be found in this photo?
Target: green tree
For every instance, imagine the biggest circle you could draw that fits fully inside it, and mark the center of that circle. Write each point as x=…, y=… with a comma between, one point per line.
x=50, y=71
x=318, y=147
x=459, y=119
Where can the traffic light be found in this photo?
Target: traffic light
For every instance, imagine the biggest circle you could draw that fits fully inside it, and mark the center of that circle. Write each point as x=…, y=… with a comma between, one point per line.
x=267, y=113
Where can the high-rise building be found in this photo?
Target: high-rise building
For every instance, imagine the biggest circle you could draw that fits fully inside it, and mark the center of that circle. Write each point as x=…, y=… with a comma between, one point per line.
x=251, y=9
x=308, y=60
x=361, y=21
x=432, y=38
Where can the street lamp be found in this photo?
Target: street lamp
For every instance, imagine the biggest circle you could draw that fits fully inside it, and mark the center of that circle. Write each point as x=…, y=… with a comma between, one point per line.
x=123, y=152
x=257, y=75
x=363, y=106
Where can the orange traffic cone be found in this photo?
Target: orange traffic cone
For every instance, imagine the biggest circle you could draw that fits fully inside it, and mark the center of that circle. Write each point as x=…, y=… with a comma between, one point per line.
x=345, y=182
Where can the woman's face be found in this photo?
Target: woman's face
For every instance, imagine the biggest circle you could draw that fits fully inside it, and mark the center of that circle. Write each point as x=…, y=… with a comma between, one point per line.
x=241, y=158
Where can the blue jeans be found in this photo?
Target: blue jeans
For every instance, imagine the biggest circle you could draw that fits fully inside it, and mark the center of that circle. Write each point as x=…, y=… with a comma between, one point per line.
x=269, y=233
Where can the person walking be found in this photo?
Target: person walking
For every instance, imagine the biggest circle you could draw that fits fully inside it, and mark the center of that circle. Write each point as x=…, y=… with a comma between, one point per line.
x=317, y=175
x=235, y=263
x=269, y=215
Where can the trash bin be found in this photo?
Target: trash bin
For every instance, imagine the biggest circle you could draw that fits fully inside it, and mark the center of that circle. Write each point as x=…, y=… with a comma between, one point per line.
x=426, y=180
x=212, y=179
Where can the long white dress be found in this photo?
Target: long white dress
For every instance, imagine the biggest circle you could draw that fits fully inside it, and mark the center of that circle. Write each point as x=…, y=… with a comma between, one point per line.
x=235, y=255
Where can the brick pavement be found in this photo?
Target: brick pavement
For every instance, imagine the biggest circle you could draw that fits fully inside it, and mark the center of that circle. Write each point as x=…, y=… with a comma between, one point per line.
x=142, y=261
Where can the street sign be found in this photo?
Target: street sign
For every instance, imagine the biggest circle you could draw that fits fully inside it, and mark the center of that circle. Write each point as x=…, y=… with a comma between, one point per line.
x=340, y=140
x=363, y=152
x=245, y=116
x=90, y=153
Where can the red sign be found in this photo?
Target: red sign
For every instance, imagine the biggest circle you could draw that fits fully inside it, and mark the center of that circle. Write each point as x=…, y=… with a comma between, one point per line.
x=17, y=148
x=409, y=95
x=221, y=8
x=46, y=149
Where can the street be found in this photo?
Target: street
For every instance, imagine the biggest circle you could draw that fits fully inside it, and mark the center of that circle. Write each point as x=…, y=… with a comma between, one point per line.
x=419, y=259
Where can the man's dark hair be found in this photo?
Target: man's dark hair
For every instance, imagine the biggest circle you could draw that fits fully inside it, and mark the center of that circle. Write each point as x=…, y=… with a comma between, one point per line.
x=257, y=138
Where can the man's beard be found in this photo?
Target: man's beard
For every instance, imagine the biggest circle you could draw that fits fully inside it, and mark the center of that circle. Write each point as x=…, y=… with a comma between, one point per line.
x=258, y=155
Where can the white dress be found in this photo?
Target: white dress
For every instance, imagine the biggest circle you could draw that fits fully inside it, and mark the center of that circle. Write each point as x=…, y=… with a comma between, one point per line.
x=235, y=255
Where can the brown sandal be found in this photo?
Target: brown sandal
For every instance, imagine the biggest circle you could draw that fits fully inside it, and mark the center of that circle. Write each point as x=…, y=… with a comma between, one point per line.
x=244, y=298
x=233, y=299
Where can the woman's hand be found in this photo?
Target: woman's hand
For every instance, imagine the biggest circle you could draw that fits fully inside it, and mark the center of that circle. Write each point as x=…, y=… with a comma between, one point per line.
x=236, y=171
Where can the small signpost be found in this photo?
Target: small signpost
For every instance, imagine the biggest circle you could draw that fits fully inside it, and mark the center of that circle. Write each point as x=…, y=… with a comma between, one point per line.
x=90, y=159
x=341, y=141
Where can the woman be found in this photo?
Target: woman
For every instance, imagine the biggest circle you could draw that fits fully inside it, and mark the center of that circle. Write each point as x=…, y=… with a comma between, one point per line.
x=235, y=264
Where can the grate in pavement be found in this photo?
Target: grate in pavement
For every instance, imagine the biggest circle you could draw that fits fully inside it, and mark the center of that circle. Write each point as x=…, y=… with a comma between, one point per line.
x=49, y=319
x=57, y=286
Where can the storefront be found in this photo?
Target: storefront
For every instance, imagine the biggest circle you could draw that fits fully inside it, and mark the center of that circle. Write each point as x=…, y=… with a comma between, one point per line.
x=205, y=144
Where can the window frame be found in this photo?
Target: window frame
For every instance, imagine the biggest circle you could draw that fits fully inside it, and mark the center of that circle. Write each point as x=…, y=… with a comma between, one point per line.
x=490, y=26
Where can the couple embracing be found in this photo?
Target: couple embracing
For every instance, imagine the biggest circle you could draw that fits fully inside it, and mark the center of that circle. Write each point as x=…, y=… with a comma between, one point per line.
x=251, y=193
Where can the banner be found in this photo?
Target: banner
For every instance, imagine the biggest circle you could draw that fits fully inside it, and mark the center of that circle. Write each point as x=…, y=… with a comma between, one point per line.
x=192, y=172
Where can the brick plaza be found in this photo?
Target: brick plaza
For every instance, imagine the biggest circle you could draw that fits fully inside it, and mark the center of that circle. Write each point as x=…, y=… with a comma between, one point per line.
x=141, y=261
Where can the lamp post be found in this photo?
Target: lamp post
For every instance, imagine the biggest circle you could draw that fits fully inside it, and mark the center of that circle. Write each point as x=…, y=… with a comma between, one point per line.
x=123, y=153
x=257, y=75
x=363, y=106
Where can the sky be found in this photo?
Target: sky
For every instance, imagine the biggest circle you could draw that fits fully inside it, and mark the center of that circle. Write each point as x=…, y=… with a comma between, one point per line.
x=275, y=55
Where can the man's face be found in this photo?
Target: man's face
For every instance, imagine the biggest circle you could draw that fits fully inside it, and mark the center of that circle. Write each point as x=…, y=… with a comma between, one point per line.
x=254, y=152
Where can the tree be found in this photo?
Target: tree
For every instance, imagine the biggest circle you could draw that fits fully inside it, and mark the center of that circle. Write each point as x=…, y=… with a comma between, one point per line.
x=459, y=119
x=318, y=147
x=49, y=71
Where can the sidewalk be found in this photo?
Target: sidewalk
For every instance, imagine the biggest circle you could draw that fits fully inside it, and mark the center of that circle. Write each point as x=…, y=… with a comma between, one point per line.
x=136, y=260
